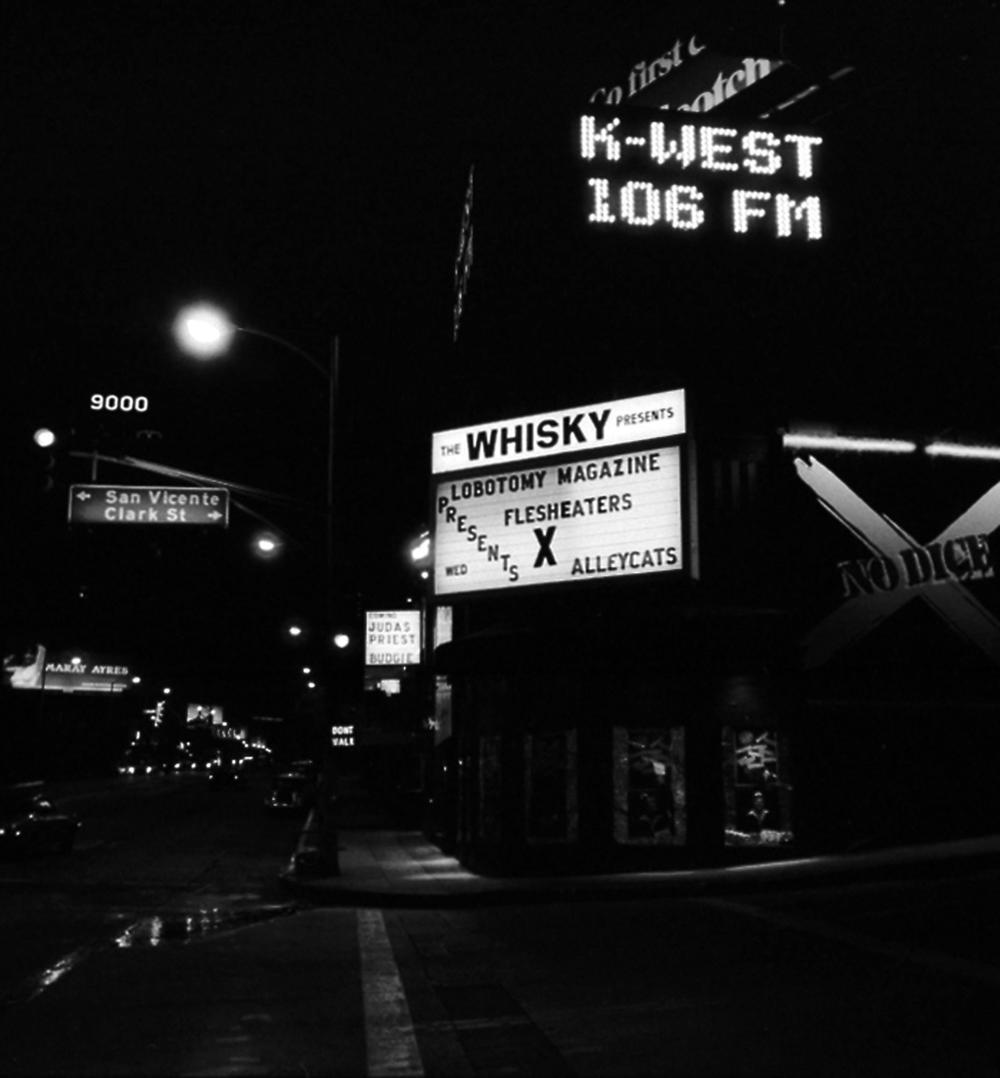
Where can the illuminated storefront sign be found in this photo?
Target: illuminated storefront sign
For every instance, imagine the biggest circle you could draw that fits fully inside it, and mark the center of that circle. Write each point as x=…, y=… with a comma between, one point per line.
x=900, y=569
x=392, y=637
x=690, y=175
x=595, y=515
x=608, y=516
x=637, y=419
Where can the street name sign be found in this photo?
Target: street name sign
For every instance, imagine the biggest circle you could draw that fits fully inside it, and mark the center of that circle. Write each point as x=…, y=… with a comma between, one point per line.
x=103, y=504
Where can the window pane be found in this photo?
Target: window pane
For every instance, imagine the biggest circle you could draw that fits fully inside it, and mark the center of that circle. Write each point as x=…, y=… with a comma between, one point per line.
x=649, y=786
x=757, y=787
x=551, y=786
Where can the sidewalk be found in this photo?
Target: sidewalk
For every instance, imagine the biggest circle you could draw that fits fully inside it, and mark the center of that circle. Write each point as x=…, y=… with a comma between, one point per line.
x=385, y=868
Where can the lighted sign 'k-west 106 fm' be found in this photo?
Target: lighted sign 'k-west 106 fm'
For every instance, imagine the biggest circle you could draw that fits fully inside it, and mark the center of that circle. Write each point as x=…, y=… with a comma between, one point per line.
x=597, y=515
x=685, y=175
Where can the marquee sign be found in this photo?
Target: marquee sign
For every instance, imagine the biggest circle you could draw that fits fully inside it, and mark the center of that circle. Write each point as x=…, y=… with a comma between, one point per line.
x=682, y=174
x=637, y=419
x=900, y=570
x=392, y=637
x=592, y=514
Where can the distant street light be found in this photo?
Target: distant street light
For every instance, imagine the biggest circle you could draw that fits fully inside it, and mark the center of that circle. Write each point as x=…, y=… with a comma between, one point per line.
x=44, y=437
x=294, y=630
x=420, y=551
x=341, y=640
x=267, y=545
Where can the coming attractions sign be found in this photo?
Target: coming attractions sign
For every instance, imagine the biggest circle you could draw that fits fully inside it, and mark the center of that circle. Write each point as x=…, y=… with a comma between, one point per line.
x=580, y=494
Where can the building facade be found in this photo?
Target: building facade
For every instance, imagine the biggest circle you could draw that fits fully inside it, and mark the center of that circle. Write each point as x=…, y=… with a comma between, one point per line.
x=820, y=673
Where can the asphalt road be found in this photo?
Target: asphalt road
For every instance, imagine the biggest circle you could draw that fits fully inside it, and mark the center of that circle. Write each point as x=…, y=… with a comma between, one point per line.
x=881, y=977
x=159, y=854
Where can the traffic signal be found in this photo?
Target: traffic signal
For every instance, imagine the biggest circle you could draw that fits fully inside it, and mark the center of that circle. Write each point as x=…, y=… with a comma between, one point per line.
x=45, y=439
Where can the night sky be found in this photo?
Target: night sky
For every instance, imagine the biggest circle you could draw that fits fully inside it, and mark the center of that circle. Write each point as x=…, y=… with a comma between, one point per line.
x=304, y=165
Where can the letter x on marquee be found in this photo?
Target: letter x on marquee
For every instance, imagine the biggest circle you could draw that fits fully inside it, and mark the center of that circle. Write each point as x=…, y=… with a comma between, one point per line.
x=950, y=598
x=545, y=555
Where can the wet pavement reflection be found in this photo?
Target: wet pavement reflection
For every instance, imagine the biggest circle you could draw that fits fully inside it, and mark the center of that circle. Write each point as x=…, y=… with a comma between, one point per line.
x=184, y=926
x=153, y=930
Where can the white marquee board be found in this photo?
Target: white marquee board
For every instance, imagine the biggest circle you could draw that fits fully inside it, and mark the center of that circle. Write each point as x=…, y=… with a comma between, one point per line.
x=603, y=517
x=572, y=430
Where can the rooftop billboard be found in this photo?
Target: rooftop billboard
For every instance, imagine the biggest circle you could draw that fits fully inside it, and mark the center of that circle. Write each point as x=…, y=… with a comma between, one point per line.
x=75, y=671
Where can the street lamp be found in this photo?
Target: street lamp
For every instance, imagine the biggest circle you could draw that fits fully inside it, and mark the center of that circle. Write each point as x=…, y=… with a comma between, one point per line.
x=267, y=545
x=204, y=330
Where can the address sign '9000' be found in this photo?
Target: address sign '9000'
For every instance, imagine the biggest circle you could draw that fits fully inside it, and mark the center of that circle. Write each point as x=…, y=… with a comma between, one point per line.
x=689, y=175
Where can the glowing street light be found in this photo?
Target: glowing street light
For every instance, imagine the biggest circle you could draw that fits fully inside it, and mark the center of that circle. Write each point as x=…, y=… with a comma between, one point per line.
x=203, y=330
x=267, y=545
x=341, y=640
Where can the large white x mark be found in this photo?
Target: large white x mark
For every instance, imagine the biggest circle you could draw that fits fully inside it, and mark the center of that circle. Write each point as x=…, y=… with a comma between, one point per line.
x=858, y=616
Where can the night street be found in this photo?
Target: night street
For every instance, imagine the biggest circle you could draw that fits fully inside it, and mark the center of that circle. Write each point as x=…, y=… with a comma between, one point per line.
x=500, y=545
x=156, y=857
x=146, y=959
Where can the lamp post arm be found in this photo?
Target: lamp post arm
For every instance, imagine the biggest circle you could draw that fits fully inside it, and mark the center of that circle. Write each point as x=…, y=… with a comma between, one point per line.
x=282, y=343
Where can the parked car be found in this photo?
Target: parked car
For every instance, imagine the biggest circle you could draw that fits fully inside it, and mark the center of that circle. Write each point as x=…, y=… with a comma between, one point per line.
x=291, y=791
x=31, y=823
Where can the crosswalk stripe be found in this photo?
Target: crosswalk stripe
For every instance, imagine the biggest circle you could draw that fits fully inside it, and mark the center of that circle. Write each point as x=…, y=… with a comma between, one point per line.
x=389, y=1036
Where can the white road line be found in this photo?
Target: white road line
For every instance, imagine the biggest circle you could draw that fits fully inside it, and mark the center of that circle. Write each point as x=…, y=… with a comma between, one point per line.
x=389, y=1036
x=924, y=956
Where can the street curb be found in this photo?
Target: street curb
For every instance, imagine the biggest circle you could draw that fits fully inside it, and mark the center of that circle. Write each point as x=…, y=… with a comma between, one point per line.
x=312, y=858
x=905, y=863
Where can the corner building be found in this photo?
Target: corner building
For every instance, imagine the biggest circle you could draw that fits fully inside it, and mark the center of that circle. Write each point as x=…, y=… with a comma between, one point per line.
x=819, y=671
